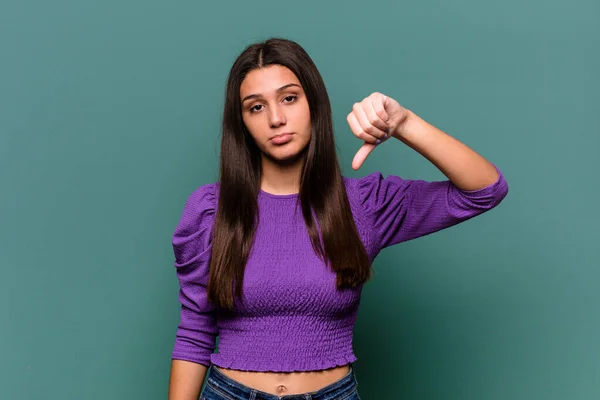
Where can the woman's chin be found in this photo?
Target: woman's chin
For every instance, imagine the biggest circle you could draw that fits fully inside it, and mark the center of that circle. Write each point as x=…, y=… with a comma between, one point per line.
x=285, y=156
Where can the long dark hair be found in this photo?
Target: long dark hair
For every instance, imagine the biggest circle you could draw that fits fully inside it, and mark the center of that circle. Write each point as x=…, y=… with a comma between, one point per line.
x=322, y=189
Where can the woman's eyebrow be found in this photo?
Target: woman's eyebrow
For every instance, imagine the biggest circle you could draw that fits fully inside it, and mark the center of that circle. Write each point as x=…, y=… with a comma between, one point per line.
x=257, y=95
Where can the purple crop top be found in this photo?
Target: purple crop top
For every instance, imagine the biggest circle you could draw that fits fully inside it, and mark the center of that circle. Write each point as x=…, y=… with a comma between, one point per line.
x=292, y=318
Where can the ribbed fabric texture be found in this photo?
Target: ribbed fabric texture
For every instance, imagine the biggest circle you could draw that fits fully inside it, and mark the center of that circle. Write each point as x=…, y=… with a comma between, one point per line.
x=292, y=317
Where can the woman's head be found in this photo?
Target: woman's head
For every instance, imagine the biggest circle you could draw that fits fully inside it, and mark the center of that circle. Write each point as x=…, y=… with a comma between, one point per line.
x=274, y=88
x=275, y=112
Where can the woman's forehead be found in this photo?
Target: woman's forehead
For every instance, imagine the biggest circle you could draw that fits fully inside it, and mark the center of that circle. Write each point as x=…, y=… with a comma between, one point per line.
x=267, y=80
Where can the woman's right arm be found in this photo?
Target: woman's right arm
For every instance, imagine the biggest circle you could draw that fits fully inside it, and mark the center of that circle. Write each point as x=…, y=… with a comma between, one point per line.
x=186, y=380
x=197, y=331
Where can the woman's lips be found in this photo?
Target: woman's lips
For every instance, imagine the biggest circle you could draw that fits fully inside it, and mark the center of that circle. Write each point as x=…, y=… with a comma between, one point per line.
x=282, y=139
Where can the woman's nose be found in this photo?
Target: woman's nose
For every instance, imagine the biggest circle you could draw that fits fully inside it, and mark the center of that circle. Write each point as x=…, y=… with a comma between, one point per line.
x=276, y=116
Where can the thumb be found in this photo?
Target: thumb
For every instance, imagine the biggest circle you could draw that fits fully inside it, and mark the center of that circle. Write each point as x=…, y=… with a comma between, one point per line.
x=361, y=155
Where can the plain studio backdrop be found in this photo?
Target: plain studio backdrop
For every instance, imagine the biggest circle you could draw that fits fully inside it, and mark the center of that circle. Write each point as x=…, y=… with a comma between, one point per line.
x=110, y=117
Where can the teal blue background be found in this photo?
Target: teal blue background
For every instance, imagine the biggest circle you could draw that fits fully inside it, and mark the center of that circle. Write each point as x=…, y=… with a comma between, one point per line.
x=109, y=118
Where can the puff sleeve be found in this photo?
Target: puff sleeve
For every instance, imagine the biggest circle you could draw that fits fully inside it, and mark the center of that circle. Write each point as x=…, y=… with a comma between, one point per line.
x=398, y=210
x=197, y=331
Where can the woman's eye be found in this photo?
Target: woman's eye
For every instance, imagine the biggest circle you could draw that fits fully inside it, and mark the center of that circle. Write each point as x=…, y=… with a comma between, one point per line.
x=258, y=107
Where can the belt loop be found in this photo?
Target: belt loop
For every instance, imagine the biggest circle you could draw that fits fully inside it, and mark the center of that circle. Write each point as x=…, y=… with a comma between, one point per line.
x=253, y=394
x=307, y=396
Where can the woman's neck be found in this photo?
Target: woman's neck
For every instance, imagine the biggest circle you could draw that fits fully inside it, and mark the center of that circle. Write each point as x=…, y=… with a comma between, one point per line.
x=280, y=178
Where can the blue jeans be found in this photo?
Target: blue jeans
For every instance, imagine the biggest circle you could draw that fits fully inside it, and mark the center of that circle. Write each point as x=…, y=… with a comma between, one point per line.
x=221, y=387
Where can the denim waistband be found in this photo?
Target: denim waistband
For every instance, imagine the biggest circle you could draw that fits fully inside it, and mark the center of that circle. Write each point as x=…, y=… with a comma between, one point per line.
x=231, y=389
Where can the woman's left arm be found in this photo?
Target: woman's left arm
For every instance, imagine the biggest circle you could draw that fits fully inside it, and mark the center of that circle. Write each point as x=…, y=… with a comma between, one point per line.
x=399, y=209
x=379, y=117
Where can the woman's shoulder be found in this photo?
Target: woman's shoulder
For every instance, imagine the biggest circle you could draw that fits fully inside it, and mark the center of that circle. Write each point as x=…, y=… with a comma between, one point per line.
x=200, y=206
x=192, y=236
x=359, y=188
x=204, y=195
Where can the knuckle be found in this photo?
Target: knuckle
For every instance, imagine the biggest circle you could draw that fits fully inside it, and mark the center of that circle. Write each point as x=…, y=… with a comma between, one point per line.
x=366, y=137
x=374, y=120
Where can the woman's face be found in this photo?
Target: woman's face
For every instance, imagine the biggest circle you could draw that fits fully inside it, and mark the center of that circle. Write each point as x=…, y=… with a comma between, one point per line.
x=276, y=113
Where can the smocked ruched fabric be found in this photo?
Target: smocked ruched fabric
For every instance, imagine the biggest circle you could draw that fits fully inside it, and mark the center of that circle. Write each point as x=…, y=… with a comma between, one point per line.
x=291, y=317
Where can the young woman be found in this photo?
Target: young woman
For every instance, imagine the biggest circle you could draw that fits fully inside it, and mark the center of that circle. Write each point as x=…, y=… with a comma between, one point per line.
x=272, y=258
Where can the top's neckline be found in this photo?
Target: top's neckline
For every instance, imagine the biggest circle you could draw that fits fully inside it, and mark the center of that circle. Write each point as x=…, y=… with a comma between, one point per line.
x=278, y=196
